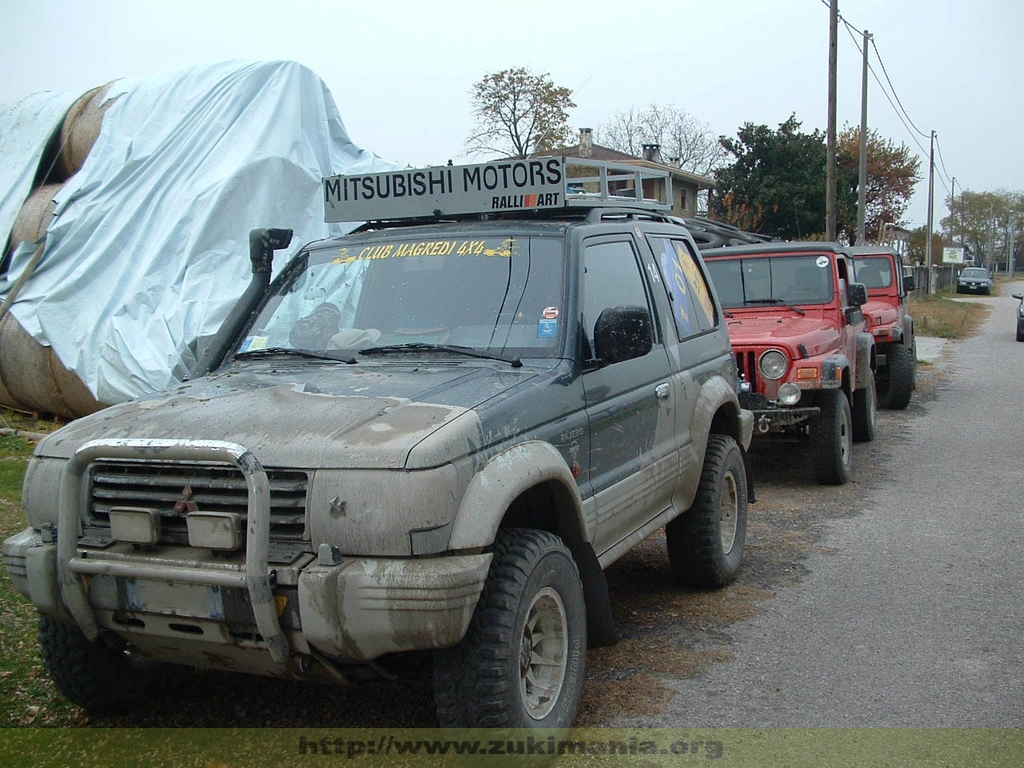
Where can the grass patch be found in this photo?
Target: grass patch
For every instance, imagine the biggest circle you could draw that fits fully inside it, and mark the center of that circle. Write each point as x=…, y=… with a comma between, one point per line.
x=27, y=695
x=942, y=316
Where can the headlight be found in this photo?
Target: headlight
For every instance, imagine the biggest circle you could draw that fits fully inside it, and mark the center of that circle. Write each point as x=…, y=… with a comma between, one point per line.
x=789, y=393
x=773, y=364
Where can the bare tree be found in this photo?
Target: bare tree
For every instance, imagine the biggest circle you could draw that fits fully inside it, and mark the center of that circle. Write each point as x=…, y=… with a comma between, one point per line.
x=519, y=113
x=676, y=131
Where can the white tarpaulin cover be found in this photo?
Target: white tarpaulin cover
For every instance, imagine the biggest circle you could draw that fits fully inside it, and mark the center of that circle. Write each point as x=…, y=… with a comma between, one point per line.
x=148, y=249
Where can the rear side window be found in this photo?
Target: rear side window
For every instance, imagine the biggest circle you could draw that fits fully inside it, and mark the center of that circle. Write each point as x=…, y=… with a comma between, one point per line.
x=693, y=309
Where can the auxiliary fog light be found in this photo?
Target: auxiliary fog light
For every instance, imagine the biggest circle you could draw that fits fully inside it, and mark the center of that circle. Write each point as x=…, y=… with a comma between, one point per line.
x=789, y=393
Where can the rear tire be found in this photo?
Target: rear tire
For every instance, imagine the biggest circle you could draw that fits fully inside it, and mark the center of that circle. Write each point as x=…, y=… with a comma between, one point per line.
x=97, y=677
x=831, y=439
x=902, y=374
x=705, y=543
x=522, y=661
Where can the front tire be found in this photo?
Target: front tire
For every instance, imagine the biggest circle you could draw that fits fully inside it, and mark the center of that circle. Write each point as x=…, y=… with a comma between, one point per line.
x=705, y=543
x=831, y=439
x=865, y=411
x=523, y=659
x=97, y=677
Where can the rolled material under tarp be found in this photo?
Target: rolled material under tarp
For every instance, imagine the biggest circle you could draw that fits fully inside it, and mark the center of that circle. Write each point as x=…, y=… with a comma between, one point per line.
x=147, y=251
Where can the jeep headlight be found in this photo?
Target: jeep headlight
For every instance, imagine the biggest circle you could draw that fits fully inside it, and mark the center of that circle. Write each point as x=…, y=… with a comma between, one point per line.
x=773, y=364
x=789, y=393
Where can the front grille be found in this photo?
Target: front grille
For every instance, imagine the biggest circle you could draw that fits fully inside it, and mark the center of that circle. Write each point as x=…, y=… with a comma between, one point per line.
x=174, y=489
x=746, y=364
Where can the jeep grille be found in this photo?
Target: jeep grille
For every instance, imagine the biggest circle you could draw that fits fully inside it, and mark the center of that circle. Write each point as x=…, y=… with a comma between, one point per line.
x=211, y=488
x=746, y=364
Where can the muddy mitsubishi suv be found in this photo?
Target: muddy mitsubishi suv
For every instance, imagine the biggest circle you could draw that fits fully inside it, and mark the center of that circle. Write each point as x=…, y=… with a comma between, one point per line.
x=420, y=445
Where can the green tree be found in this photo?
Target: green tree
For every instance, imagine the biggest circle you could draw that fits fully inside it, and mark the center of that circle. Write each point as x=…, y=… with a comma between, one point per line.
x=776, y=183
x=918, y=247
x=518, y=114
x=892, y=173
x=988, y=224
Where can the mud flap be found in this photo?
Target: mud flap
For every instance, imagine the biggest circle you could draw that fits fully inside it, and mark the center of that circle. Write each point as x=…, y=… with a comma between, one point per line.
x=600, y=626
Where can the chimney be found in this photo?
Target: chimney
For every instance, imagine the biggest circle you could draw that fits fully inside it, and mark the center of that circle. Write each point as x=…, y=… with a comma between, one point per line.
x=586, y=142
x=652, y=152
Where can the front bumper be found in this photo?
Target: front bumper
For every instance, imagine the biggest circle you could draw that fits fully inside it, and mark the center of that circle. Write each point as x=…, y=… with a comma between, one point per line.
x=768, y=418
x=192, y=606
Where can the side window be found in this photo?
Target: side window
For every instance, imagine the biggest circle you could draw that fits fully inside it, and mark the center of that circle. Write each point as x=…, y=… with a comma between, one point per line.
x=692, y=306
x=612, y=279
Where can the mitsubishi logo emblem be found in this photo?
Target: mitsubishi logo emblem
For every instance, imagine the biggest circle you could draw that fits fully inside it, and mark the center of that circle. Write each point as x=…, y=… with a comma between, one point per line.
x=185, y=503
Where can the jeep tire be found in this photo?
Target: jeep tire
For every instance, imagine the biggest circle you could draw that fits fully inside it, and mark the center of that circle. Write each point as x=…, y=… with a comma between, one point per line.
x=831, y=438
x=705, y=543
x=895, y=394
x=97, y=677
x=521, y=663
x=865, y=411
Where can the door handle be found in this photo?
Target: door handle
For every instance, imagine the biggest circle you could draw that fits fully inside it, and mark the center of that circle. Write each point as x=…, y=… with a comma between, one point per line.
x=663, y=390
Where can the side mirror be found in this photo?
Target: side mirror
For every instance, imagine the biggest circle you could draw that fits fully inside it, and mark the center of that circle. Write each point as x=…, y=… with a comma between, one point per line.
x=909, y=284
x=857, y=294
x=622, y=333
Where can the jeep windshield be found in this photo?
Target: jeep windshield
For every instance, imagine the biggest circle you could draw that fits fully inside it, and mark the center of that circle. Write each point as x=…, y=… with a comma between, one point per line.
x=767, y=281
x=490, y=296
x=873, y=271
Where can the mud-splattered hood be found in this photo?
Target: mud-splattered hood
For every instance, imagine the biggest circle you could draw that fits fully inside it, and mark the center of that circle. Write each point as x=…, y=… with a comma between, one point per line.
x=815, y=331
x=314, y=415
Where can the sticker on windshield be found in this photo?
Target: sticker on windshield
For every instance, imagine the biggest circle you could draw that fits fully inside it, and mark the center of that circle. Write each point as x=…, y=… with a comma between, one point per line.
x=822, y=261
x=254, y=342
x=550, y=313
x=415, y=248
x=547, y=329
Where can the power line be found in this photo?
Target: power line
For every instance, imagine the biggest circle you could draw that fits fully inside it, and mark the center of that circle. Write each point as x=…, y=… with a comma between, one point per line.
x=850, y=30
x=882, y=64
x=894, y=101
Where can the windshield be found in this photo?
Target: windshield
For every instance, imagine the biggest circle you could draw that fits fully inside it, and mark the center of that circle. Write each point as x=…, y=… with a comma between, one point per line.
x=873, y=271
x=780, y=280
x=501, y=295
x=974, y=272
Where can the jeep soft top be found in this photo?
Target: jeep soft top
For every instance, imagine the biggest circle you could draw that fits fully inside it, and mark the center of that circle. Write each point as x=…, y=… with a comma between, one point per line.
x=422, y=442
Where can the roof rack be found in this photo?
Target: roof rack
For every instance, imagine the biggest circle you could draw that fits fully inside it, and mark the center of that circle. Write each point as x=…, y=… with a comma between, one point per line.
x=494, y=188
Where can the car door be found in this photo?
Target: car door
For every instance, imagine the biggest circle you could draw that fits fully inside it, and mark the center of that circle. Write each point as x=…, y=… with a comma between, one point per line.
x=696, y=352
x=630, y=404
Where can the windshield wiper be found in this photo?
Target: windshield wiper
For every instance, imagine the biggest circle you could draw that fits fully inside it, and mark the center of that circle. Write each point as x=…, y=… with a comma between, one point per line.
x=339, y=356
x=416, y=346
x=775, y=302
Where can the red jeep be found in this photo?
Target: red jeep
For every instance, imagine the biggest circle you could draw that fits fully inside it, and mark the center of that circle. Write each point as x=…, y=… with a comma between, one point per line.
x=805, y=359
x=880, y=269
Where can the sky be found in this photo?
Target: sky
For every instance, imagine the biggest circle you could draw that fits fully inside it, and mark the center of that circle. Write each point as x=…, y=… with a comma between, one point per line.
x=401, y=72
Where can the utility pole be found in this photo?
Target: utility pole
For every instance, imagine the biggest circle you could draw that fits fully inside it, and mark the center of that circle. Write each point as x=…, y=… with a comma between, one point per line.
x=862, y=180
x=952, y=210
x=931, y=213
x=830, y=163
